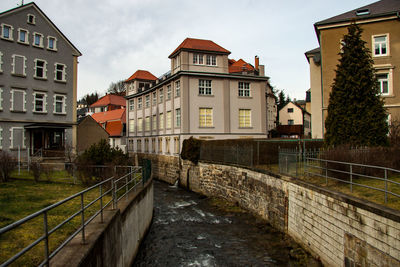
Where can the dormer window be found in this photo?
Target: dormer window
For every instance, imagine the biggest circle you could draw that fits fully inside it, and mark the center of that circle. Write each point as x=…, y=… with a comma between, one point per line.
x=31, y=19
x=211, y=60
x=198, y=59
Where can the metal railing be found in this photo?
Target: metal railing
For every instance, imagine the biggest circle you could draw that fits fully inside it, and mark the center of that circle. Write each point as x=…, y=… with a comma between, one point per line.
x=127, y=182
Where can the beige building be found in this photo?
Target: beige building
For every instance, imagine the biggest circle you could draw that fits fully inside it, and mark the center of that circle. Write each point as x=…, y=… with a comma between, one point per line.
x=294, y=121
x=204, y=95
x=381, y=31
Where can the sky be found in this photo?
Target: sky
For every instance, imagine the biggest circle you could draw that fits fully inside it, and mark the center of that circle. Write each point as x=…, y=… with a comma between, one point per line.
x=118, y=37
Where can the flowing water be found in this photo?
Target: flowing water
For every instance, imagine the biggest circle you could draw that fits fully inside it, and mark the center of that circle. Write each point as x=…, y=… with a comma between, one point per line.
x=191, y=230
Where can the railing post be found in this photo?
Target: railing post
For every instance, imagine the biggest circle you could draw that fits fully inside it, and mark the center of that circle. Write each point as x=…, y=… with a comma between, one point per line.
x=351, y=178
x=113, y=189
x=101, y=203
x=83, y=219
x=386, y=186
x=126, y=187
x=46, y=240
x=326, y=172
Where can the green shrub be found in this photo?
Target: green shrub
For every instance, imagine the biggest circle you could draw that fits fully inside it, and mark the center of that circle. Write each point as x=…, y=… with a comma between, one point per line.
x=191, y=149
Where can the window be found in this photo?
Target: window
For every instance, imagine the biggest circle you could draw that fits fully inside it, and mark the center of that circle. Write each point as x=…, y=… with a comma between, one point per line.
x=380, y=45
x=244, y=118
x=139, y=145
x=147, y=101
x=39, y=102
x=19, y=65
x=211, y=60
x=198, y=59
x=38, y=39
x=7, y=32
x=140, y=125
x=168, y=92
x=51, y=43
x=161, y=121
x=290, y=122
x=131, y=125
x=139, y=103
x=154, y=98
x=23, y=36
x=290, y=110
x=153, y=145
x=205, y=87
x=178, y=89
x=161, y=95
x=17, y=137
x=59, y=104
x=18, y=100
x=59, y=72
x=131, y=105
x=383, y=83
x=178, y=117
x=205, y=117
x=147, y=124
x=40, y=69
x=169, y=119
x=244, y=89
x=176, y=143
x=146, y=145
x=31, y=19
x=154, y=122
x=160, y=145
x=306, y=124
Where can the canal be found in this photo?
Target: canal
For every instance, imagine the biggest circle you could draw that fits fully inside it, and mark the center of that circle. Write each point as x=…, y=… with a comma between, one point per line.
x=191, y=230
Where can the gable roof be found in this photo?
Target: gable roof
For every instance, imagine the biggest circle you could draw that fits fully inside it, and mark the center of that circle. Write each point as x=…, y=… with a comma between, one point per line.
x=89, y=119
x=33, y=5
x=239, y=66
x=378, y=9
x=112, y=115
x=109, y=100
x=192, y=44
x=142, y=75
x=114, y=128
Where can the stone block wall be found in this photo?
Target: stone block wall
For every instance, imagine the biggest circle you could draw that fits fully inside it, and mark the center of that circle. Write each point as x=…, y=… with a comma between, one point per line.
x=163, y=167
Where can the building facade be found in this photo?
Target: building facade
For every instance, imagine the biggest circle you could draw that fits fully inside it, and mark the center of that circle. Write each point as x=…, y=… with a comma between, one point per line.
x=198, y=97
x=38, y=83
x=294, y=121
x=381, y=31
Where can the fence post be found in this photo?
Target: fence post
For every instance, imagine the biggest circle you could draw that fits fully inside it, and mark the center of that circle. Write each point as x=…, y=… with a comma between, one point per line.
x=113, y=194
x=46, y=240
x=386, y=186
x=326, y=172
x=351, y=178
x=83, y=219
x=126, y=187
x=101, y=203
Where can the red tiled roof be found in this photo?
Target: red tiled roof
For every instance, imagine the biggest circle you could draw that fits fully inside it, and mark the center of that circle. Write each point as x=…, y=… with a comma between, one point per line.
x=113, y=115
x=239, y=66
x=142, y=75
x=199, y=44
x=109, y=100
x=114, y=128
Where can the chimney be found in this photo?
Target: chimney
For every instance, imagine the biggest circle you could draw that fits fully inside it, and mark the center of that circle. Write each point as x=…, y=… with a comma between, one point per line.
x=257, y=62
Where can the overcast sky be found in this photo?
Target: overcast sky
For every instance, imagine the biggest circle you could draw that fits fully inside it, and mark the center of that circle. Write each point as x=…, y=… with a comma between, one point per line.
x=117, y=37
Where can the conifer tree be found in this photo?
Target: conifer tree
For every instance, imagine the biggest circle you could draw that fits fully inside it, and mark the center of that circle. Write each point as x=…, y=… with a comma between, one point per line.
x=356, y=115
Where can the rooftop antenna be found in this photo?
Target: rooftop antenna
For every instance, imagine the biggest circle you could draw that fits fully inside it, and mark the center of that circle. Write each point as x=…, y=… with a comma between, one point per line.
x=22, y=2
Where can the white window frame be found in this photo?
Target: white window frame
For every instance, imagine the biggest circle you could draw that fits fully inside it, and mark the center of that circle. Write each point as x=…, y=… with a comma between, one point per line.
x=26, y=42
x=64, y=103
x=203, y=117
x=54, y=43
x=177, y=88
x=161, y=96
x=154, y=98
x=44, y=69
x=243, y=90
x=131, y=104
x=211, y=60
x=11, y=137
x=380, y=47
x=64, y=72
x=246, y=116
x=205, y=87
x=169, y=92
x=33, y=20
x=198, y=59
x=13, y=65
x=40, y=45
x=23, y=99
x=178, y=116
x=11, y=32
x=147, y=101
x=44, y=102
x=389, y=72
x=139, y=103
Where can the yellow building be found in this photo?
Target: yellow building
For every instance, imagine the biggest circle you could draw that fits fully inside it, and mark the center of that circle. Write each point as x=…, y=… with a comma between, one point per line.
x=380, y=22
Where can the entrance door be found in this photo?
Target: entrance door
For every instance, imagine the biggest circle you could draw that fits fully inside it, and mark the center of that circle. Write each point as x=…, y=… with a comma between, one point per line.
x=37, y=140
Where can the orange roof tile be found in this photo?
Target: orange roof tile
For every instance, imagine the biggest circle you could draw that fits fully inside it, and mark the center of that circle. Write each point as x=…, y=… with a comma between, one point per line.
x=114, y=128
x=239, y=66
x=110, y=100
x=201, y=45
x=142, y=75
x=113, y=115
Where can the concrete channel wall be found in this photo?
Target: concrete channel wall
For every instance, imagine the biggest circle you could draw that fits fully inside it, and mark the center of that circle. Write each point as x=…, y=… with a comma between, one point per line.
x=116, y=241
x=338, y=229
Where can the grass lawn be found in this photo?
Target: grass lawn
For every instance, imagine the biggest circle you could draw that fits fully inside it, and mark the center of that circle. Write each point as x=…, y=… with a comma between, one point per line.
x=21, y=197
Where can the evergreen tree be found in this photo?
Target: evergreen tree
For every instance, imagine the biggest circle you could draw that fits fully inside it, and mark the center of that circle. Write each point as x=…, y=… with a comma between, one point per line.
x=356, y=115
